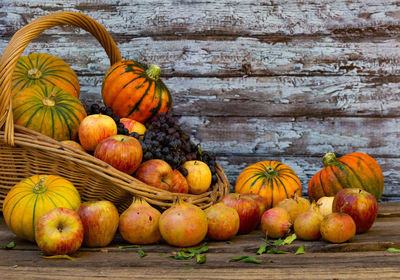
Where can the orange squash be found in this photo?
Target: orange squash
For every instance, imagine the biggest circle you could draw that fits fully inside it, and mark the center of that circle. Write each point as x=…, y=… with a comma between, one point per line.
x=44, y=69
x=134, y=91
x=355, y=170
x=272, y=180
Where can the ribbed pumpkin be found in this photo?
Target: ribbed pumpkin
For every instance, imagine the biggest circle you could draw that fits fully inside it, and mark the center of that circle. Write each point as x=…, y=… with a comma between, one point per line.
x=355, y=170
x=44, y=69
x=48, y=110
x=134, y=91
x=34, y=196
x=272, y=180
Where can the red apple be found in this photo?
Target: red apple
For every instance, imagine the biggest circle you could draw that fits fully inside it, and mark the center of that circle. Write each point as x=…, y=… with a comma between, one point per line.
x=100, y=221
x=359, y=204
x=199, y=176
x=247, y=208
x=179, y=183
x=159, y=174
x=133, y=126
x=59, y=232
x=95, y=128
x=260, y=201
x=121, y=152
x=223, y=222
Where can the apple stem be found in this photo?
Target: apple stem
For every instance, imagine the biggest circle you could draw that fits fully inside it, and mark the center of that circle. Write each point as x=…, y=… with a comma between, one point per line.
x=40, y=187
x=60, y=227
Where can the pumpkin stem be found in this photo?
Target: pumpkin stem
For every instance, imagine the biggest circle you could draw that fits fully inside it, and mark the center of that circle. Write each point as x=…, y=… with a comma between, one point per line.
x=34, y=74
x=329, y=159
x=49, y=101
x=40, y=187
x=153, y=72
x=270, y=171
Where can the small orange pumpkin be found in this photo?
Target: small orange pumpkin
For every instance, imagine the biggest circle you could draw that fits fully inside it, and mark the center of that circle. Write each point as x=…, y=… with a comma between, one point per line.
x=272, y=180
x=134, y=91
x=355, y=170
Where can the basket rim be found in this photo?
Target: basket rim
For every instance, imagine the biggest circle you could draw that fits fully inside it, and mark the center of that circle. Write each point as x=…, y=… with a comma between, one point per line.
x=25, y=137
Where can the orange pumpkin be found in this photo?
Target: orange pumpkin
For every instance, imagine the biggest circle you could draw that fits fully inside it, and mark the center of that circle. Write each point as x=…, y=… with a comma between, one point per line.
x=355, y=170
x=272, y=180
x=134, y=91
x=44, y=69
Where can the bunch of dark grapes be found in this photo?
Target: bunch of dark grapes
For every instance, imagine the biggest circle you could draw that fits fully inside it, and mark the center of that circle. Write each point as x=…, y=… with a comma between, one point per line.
x=164, y=139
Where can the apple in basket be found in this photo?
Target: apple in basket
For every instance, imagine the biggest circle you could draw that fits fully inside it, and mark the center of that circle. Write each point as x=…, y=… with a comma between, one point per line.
x=199, y=176
x=59, y=232
x=158, y=173
x=94, y=128
x=133, y=126
x=100, y=221
x=121, y=152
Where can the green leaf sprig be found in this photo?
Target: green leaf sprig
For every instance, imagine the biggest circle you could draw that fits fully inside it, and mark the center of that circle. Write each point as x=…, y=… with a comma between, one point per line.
x=393, y=250
x=279, y=242
x=246, y=259
x=190, y=253
x=10, y=245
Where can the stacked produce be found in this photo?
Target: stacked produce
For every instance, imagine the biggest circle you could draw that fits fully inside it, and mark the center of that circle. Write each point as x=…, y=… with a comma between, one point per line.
x=136, y=133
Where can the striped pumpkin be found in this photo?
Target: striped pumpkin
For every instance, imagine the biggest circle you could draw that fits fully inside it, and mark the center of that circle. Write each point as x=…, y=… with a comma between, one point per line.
x=44, y=69
x=48, y=110
x=272, y=180
x=355, y=170
x=28, y=200
x=134, y=91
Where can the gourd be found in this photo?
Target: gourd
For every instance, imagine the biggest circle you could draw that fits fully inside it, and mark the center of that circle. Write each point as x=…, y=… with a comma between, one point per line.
x=272, y=180
x=34, y=196
x=355, y=170
x=134, y=91
x=48, y=110
x=44, y=69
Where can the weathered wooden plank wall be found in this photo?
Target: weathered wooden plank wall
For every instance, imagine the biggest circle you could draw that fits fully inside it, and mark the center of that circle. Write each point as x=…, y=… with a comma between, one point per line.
x=252, y=80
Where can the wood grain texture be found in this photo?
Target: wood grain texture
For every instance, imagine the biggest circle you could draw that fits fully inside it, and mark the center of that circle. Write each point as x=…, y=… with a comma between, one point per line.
x=237, y=17
x=251, y=80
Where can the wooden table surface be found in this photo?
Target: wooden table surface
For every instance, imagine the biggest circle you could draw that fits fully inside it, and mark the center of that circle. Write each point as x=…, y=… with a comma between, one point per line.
x=365, y=257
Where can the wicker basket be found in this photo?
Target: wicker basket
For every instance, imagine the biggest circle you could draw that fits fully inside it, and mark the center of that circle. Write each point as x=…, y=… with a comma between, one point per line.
x=24, y=152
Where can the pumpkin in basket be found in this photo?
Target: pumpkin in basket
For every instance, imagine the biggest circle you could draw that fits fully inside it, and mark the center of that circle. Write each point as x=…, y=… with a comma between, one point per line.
x=48, y=110
x=272, y=180
x=28, y=200
x=134, y=91
x=44, y=69
x=355, y=170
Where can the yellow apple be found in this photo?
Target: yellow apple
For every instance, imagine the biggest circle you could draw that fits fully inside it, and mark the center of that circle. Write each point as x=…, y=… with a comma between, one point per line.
x=199, y=176
x=133, y=126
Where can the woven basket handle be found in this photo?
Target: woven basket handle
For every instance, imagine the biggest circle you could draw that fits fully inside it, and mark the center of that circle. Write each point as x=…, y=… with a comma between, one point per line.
x=20, y=41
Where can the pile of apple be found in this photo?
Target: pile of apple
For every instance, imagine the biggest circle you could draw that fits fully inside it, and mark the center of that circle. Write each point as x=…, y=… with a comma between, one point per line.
x=336, y=219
